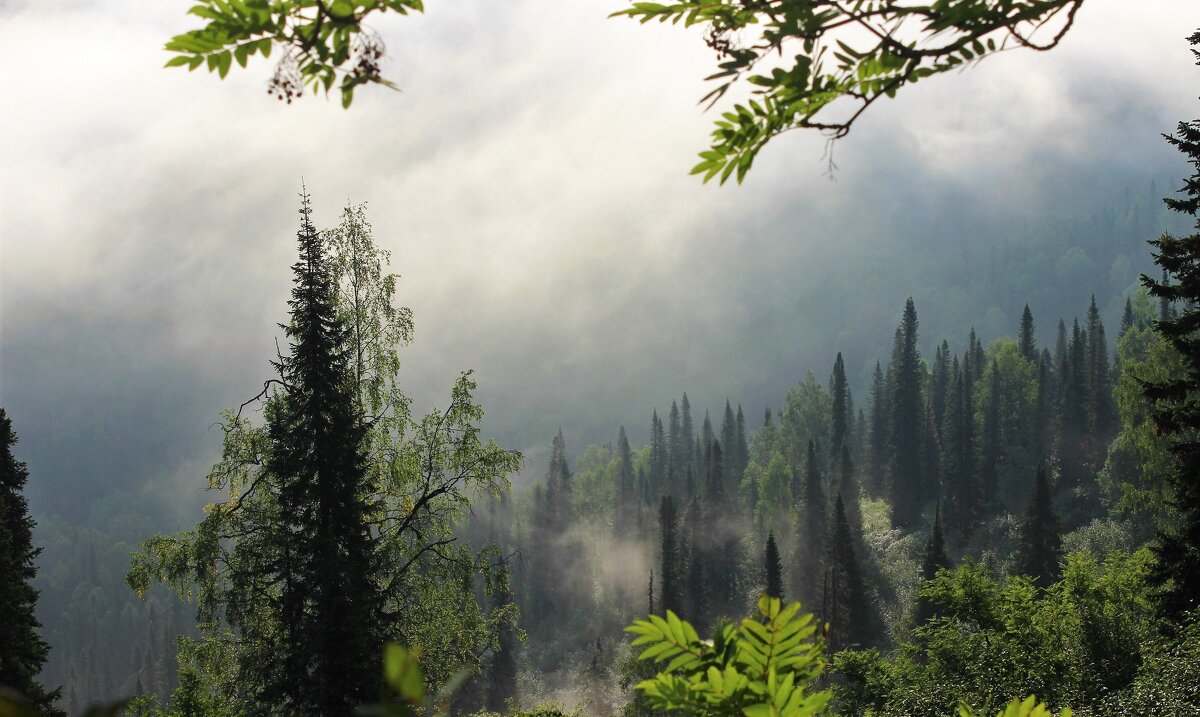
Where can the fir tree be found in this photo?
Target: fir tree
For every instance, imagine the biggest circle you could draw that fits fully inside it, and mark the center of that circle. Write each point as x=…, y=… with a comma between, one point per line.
x=1043, y=419
x=773, y=568
x=1127, y=319
x=813, y=530
x=1101, y=410
x=840, y=416
x=975, y=350
x=847, y=487
x=502, y=672
x=959, y=482
x=330, y=598
x=991, y=448
x=846, y=604
x=1073, y=410
x=1176, y=398
x=689, y=432
x=697, y=589
x=706, y=432
x=743, y=446
x=879, y=439
x=1025, y=341
x=935, y=559
x=729, y=444
x=675, y=444
x=624, y=491
x=659, y=456
x=939, y=384
x=1041, y=538
x=1060, y=347
x=908, y=488
x=668, y=526
x=22, y=650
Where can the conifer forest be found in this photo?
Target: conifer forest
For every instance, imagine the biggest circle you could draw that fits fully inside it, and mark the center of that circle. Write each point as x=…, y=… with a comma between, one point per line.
x=473, y=370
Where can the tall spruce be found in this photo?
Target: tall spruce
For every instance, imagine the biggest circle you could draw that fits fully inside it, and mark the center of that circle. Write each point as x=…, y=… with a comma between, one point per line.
x=809, y=554
x=729, y=444
x=22, y=650
x=773, y=567
x=669, y=573
x=991, y=446
x=934, y=560
x=689, y=431
x=840, y=409
x=696, y=593
x=502, y=671
x=848, y=488
x=908, y=489
x=878, y=430
x=846, y=608
x=743, y=446
x=1176, y=399
x=624, y=503
x=1041, y=537
x=960, y=486
x=659, y=456
x=1025, y=339
x=706, y=431
x=675, y=443
x=1127, y=319
x=330, y=597
x=939, y=384
x=975, y=350
x=1101, y=409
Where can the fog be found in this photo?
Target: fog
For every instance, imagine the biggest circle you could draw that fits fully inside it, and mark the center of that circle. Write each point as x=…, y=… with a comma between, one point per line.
x=531, y=181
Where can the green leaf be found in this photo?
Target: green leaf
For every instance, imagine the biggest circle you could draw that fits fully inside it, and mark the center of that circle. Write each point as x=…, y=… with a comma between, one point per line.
x=402, y=672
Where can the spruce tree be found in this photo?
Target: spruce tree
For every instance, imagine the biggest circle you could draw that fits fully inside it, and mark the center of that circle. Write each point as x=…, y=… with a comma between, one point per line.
x=1127, y=319
x=668, y=526
x=1041, y=537
x=840, y=416
x=1101, y=410
x=960, y=484
x=675, y=445
x=330, y=600
x=1176, y=399
x=773, y=568
x=809, y=554
x=624, y=502
x=990, y=441
x=879, y=423
x=1073, y=411
x=1060, y=345
x=22, y=650
x=939, y=384
x=1043, y=419
x=706, y=432
x=689, y=432
x=502, y=672
x=847, y=487
x=696, y=594
x=934, y=560
x=659, y=456
x=1025, y=341
x=729, y=444
x=975, y=349
x=846, y=608
x=743, y=446
x=908, y=488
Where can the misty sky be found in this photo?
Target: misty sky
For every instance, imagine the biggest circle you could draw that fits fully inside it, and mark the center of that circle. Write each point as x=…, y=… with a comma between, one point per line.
x=531, y=182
